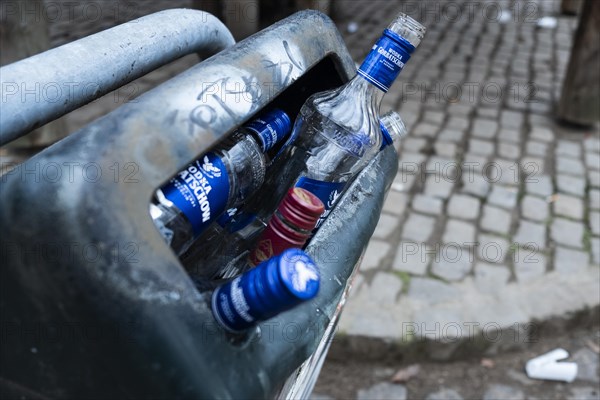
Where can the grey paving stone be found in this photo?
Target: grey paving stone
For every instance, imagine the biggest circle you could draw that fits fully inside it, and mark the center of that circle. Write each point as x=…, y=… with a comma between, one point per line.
x=443, y=167
x=594, y=199
x=463, y=206
x=534, y=208
x=451, y=135
x=536, y=148
x=568, y=148
x=493, y=249
x=427, y=204
x=476, y=185
x=425, y=129
x=490, y=277
x=594, y=178
x=488, y=113
x=403, y=182
x=509, y=150
x=569, y=166
x=458, y=109
x=511, y=119
x=592, y=160
x=542, y=134
x=530, y=264
x=444, y=394
x=484, y=128
x=503, y=171
x=568, y=206
x=452, y=263
x=503, y=196
x=384, y=288
x=540, y=185
x=438, y=186
x=566, y=232
x=395, y=203
x=481, y=147
x=510, y=135
x=460, y=232
x=571, y=184
x=474, y=164
x=386, y=226
x=432, y=291
x=413, y=258
x=376, y=251
x=418, y=227
x=411, y=162
x=458, y=123
x=503, y=392
x=595, y=244
x=435, y=117
x=592, y=144
x=567, y=261
x=595, y=222
x=383, y=390
x=532, y=166
x=530, y=233
x=413, y=144
x=495, y=220
x=445, y=149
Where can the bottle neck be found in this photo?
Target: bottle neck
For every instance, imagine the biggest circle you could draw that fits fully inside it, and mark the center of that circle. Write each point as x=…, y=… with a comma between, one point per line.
x=385, y=61
x=373, y=93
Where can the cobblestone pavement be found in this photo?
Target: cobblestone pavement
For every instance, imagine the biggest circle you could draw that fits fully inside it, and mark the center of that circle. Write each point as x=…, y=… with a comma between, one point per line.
x=492, y=220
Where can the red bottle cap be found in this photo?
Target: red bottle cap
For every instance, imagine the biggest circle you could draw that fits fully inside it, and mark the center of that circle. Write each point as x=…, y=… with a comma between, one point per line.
x=301, y=208
x=290, y=226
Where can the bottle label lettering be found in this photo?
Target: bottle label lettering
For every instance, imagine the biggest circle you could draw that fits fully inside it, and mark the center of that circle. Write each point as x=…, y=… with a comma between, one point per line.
x=266, y=131
x=200, y=191
x=386, y=60
x=327, y=192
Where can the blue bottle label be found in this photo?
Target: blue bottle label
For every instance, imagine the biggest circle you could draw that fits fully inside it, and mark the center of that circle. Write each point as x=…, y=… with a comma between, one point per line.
x=270, y=128
x=231, y=308
x=386, y=60
x=234, y=220
x=327, y=192
x=200, y=191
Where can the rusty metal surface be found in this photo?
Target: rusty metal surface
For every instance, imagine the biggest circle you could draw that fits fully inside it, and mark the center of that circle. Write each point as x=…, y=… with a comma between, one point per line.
x=113, y=313
x=44, y=87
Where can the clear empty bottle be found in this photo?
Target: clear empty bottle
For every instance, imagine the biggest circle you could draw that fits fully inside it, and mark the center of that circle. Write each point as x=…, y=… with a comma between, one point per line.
x=339, y=130
x=184, y=207
x=392, y=130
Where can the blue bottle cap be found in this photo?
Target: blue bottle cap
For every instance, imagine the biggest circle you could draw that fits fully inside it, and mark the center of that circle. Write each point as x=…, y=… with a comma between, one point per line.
x=385, y=136
x=271, y=128
x=274, y=286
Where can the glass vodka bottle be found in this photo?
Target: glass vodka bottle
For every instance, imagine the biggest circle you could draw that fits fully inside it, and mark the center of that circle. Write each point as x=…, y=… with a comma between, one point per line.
x=184, y=207
x=338, y=130
x=224, y=248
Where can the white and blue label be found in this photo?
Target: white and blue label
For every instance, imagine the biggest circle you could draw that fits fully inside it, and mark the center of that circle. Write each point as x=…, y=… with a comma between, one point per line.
x=200, y=191
x=386, y=60
x=267, y=130
x=327, y=192
x=234, y=220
